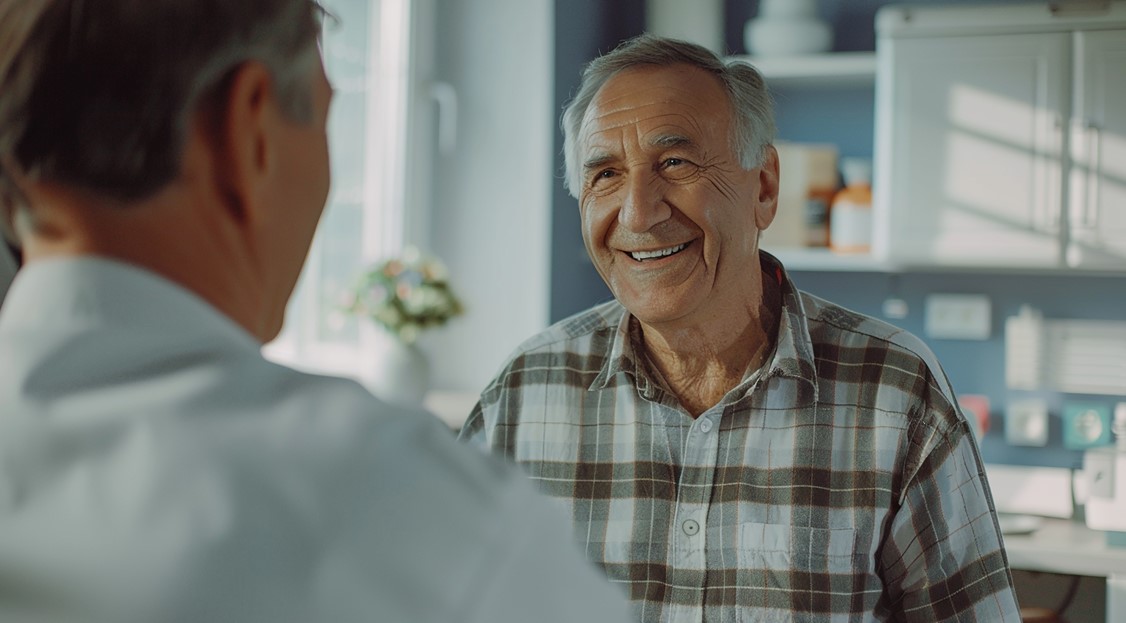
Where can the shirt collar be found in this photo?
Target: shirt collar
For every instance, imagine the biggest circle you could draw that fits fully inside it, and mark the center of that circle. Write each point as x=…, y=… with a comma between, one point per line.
x=95, y=291
x=792, y=356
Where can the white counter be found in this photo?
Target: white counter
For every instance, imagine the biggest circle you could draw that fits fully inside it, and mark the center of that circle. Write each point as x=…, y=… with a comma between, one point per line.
x=1066, y=546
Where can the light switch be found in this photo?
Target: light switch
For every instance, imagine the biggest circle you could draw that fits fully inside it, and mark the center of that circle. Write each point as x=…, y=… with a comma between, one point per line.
x=958, y=317
x=1026, y=423
x=895, y=308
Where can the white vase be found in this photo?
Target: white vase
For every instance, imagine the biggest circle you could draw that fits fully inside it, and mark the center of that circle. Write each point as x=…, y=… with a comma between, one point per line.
x=782, y=9
x=787, y=28
x=401, y=374
x=699, y=21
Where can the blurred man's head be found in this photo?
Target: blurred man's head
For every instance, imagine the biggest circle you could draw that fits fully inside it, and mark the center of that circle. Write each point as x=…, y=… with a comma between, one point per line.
x=125, y=107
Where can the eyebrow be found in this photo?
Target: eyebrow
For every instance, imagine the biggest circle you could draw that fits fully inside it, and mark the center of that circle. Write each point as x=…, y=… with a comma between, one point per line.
x=661, y=140
x=596, y=161
x=671, y=140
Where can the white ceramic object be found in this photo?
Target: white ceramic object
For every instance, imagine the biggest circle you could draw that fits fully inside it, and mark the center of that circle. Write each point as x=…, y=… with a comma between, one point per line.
x=699, y=21
x=787, y=37
x=793, y=9
x=402, y=373
x=787, y=28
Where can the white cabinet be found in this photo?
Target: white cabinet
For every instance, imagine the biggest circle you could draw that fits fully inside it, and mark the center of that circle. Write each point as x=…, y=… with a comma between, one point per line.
x=1097, y=189
x=976, y=142
x=1001, y=137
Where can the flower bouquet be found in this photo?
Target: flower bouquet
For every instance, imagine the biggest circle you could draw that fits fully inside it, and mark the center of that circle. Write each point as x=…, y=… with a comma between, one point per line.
x=406, y=294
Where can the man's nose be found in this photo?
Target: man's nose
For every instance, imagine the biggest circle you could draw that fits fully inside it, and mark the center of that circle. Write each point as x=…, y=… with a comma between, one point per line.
x=643, y=204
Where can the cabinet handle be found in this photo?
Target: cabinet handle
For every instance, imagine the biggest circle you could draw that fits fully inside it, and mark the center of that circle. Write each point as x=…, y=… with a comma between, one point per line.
x=1048, y=209
x=1079, y=7
x=1093, y=175
x=446, y=98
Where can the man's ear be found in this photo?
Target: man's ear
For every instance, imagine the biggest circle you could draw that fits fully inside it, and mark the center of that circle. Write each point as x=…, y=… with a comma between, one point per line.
x=766, y=204
x=244, y=117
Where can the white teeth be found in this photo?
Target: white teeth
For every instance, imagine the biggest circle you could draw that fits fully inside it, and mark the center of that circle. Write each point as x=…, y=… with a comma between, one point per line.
x=648, y=255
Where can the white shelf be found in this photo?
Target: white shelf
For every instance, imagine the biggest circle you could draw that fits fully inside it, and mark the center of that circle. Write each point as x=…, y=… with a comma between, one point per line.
x=834, y=69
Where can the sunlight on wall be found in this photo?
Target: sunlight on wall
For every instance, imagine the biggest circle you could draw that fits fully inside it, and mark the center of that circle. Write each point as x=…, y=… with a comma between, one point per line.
x=1001, y=171
x=978, y=111
x=366, y=54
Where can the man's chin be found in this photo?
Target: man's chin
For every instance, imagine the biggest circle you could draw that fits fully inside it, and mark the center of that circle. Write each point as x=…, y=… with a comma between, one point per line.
x=656, y=310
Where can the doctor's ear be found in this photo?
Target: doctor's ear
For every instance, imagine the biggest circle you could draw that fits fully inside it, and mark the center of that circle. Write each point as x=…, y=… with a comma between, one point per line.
x=237, y=118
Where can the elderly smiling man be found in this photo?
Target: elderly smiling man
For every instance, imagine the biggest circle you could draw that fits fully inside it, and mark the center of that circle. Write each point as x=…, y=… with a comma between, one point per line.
x=728, y=447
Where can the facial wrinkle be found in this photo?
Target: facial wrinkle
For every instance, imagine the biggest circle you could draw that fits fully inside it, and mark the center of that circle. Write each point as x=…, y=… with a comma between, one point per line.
x=720, y=175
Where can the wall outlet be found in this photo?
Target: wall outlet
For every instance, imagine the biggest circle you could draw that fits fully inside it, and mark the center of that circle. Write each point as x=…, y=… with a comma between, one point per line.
x=1026, y=423
x=895, y=308
x=1086, y=425
x=958, y=317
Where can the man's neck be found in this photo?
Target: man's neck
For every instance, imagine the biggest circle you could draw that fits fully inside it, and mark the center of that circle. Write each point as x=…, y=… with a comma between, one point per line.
x=703, y=362
x=172, y=240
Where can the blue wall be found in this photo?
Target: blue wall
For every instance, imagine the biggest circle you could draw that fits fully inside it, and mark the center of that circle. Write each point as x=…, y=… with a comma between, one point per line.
x=978, y=367
x=844, y=117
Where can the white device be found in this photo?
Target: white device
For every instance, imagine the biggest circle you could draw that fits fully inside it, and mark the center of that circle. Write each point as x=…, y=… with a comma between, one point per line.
x=1105, y=470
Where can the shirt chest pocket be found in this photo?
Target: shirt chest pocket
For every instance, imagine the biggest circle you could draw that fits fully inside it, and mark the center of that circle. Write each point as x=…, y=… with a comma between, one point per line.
x=785, y=548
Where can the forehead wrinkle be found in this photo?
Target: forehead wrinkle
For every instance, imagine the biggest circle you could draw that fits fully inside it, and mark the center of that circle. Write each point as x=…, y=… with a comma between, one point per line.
x=610, y=120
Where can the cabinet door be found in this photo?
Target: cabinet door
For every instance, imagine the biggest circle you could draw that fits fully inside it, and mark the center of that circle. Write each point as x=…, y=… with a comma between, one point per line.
x=976, y=138
x=1097, y=183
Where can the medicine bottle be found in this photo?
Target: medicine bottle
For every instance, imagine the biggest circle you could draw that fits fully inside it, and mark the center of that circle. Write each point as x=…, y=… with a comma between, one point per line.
x=850, y=215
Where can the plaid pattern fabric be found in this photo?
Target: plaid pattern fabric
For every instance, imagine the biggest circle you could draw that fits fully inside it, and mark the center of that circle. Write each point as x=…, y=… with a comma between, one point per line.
x=840, y=483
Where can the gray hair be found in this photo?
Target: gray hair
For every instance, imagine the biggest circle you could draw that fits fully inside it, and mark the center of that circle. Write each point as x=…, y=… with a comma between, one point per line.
x=97, y=95
x=753, y=124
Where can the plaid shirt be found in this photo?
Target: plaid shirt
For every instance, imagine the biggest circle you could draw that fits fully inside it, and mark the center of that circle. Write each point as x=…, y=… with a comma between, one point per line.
x=841, y=483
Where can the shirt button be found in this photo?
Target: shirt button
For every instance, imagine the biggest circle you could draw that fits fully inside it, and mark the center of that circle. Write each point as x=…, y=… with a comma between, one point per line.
x=690, y=527
x=706, y=425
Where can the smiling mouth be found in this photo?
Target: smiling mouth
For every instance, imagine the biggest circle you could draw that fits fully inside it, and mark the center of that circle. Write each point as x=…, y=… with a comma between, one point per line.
x=642, y=256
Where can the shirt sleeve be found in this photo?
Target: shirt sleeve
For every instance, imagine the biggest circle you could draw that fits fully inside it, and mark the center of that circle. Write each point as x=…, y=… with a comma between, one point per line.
x=473, y=431
x=944, y=558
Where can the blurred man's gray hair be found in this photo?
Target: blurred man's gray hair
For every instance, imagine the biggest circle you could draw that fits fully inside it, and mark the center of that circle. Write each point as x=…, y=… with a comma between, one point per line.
x=96, y=94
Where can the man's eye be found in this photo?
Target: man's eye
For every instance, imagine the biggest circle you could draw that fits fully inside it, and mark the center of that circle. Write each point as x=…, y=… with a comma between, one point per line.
x=602, y=175
x=678, y=169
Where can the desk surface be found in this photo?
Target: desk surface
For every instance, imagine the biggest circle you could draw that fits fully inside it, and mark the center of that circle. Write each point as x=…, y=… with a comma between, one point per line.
x=1065, y=546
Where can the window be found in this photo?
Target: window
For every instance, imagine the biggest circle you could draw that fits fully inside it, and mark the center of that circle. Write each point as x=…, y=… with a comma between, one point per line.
x=367, y=55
